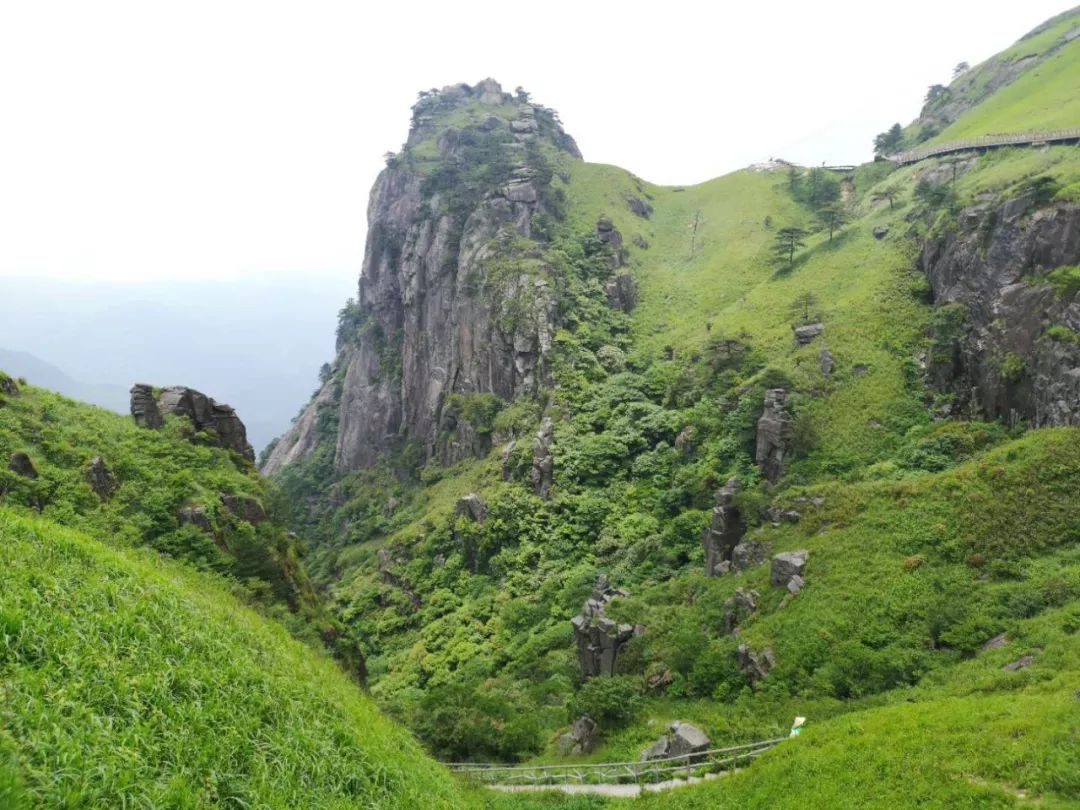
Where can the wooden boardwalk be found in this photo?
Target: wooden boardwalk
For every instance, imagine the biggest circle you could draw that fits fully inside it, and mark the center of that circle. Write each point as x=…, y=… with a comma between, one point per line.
x=984, y=142
x=669, y=771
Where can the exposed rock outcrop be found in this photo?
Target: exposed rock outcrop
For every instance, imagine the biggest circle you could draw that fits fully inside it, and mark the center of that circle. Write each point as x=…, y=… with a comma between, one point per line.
x=472, y=507
x=598, y=637
x=788, y=569
x=20, y=464
x=724, y=532
x=609, y=235
x=681, y=740
x=740, y=605
x=454, y=296
x=100, y=478
x=144, y=407
x=622, y=292
x=755, y=665
x=774, y=436
x=205, y=414
x=580, y=739
x=504, y=457
x=244, y=507
x=196, y=516
x=1006, y=344
x=827, y=362
x=543, y=467
x=748, y=554
x=8, y=385
x=807, y=333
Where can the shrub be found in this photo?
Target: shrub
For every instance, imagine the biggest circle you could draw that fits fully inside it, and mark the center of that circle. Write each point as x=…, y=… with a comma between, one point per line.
x=612, y=702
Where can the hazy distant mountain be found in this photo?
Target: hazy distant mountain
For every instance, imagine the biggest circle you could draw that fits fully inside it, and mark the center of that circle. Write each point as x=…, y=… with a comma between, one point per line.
x=255, y=344
x=45, y=375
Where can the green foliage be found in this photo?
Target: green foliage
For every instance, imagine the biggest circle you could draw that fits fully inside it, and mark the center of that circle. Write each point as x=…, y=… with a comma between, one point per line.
x=1065, y=281
x=787, y=241
x=888, y=142
x=1060, y=333
x=804, y=308
x=128, y=680
x=611, y=702
x=937, y=196
x=1009, y=366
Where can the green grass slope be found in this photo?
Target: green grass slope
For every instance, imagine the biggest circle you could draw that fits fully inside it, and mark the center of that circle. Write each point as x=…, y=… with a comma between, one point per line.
x=930, y=538
x=126, y=681
x=157, y=474
x=1031, y=86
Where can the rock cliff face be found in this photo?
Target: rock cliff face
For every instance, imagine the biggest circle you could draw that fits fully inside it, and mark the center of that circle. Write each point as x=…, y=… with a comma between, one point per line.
x=206, y=415
x=454, y=299
x=1006, y=340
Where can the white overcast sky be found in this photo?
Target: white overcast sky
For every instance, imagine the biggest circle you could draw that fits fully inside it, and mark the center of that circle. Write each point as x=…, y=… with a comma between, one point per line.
x=160, y=140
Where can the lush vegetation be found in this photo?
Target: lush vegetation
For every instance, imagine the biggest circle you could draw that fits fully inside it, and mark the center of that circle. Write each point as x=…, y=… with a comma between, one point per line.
x=154, y=477
x=134, y=672
x=129, y=681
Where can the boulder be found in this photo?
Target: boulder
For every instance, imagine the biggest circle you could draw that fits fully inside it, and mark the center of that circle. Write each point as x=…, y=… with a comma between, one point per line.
x=773, y=436
x=599, y=638
x=658, y=750
x=20, y=464
x=806, y=334
x=795, y=585
x=687, y=739
x=682, y=739
x=580, y=739
x=640, y=241
x=8, y=385
x=748, y=553
x=144, y=407
x=244, y=507
x=725, y=531
x=881, y=231
x=755, y=666
x=1020, y=663
x=100, y=478
x=527, y=125
x=543, y=468
x=787, y=565
x=1000, y=640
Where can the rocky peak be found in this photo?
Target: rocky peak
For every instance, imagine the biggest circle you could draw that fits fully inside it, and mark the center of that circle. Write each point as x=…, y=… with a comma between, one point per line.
x=455, y=301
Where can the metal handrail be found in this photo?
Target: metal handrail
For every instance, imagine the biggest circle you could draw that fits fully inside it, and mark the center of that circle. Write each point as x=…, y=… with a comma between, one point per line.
x=985, y=141
x=634, y=771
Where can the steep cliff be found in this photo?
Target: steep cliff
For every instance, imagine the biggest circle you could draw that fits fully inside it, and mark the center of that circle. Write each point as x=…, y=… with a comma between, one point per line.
x=1006, y=334
x=454, y=296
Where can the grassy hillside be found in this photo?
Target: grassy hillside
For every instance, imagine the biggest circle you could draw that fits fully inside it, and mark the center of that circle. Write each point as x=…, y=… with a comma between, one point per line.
x=155, y=475
x=1031, y=86
x=479, y=659
x=927, y=537
x=126, y=681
